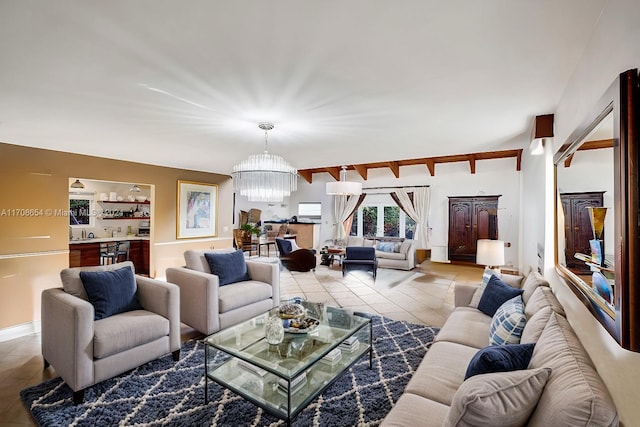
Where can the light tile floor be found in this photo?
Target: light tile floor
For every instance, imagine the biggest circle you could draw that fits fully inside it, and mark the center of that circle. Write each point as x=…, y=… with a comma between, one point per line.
x=424, y=295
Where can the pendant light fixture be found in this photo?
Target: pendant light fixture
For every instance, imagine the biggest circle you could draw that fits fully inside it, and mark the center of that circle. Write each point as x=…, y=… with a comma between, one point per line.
x=134, y=189
x=77, y=184
x=265, y=177
x=344, y=187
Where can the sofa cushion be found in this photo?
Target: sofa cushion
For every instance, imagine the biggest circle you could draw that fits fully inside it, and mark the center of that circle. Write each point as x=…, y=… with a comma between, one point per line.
x=531, y=283
x=111, y=292
x=508, y=322
x=495, y=294
x=229, y=267
x=118, y=333
x=405, y=246
x=535, y=325
x=466, y=325
x=500, y=358
x=501, y=399
x=385, y=246
x=414, y=410
x=575, y=393
x=486, y=275
x=72, y=283
x=391, y=255
x=195, y=260
x=441, y=371
x=241, y=294
x=540, y=298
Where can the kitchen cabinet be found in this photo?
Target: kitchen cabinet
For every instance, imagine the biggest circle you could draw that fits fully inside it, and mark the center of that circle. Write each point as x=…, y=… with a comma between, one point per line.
x=87, y=254
x=577, y=227
x=470, y=219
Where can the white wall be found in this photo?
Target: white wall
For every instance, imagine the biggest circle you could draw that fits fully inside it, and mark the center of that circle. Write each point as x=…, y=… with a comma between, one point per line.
x=613, y=48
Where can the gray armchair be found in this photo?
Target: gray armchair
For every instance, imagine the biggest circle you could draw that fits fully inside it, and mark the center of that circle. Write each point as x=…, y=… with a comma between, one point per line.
x=85, y=351
x=208, y=307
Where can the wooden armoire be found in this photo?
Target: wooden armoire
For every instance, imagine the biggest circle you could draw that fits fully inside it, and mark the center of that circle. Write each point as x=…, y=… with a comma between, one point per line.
x=577, y=227
x=470, y=219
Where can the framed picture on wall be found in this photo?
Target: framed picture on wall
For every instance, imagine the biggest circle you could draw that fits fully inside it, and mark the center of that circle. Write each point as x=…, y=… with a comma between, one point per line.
x=197, y=213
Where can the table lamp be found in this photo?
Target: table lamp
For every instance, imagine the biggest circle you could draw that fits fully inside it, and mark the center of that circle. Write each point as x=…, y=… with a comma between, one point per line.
x=490, y=253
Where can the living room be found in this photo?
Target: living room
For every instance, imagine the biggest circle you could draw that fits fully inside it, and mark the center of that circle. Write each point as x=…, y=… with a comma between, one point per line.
x=527, y=220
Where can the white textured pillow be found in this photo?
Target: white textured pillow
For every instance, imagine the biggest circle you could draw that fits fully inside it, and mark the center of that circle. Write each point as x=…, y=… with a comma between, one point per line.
x=504, y=399
x=475, y=300
x=508, y=323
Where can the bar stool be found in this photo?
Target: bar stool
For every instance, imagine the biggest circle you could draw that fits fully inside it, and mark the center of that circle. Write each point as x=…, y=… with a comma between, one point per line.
x=108, y=253
x=123, y=251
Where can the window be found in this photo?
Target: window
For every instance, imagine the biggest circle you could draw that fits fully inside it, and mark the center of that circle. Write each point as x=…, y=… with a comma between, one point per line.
x=382, y=219
x=310, y=210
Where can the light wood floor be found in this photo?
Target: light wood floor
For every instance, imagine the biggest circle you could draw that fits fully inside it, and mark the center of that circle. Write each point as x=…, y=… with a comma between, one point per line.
x=424, y=295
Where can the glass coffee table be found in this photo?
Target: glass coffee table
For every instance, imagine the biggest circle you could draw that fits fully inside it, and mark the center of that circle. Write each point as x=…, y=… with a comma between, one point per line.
x=284, y=378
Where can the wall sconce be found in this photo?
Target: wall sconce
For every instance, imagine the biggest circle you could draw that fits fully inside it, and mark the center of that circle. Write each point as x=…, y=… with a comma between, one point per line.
x=542, y=128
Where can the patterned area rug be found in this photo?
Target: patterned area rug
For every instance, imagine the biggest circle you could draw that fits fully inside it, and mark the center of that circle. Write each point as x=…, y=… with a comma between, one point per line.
x=170, y=393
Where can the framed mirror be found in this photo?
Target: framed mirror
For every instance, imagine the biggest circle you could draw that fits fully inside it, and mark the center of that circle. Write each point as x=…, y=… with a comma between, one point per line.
x=597, y=199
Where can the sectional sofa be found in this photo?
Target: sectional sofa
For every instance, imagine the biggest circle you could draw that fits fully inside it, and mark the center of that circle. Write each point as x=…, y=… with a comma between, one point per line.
x=559, y=387
x=391, y=253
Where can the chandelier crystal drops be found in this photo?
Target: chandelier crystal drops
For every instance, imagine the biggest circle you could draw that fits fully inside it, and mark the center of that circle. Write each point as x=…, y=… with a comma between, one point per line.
x=265, y=177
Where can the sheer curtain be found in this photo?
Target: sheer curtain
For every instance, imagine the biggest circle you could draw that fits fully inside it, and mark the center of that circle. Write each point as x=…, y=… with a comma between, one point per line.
x=344, y=207
x=417, y=210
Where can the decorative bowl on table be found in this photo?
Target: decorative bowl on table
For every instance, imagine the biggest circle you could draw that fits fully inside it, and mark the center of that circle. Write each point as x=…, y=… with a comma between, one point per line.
x=291, y=311
x=141, y=198
x=300, y=326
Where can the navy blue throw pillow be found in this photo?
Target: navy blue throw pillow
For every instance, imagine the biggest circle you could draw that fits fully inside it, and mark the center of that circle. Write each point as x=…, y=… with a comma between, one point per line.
x=110, y=292
x=500, y=358
x=230, y=267
x=495, y=294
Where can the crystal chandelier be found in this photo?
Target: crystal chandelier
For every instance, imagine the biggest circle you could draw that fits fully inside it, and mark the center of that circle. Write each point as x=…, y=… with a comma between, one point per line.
x=265, y=177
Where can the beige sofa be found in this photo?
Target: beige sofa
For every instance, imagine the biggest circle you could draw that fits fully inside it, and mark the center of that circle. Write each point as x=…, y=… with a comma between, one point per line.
x=574, y=394
x=208, y=307
x=402, y=258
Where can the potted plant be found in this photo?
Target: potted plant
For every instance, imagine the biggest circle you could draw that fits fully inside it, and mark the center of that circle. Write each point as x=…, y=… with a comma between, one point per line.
x=250, y=229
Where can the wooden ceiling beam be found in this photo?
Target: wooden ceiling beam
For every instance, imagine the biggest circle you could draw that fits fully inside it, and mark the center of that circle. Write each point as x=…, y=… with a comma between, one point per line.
x=362, y=170
x=307, y=174
x=596, y=144
x=334, y=172
x=472, y=163
x=395, y=168
x=430, y=162
x=431, y=165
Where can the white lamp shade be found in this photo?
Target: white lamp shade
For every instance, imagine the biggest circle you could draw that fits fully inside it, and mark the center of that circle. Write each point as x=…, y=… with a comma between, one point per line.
x=344, y=188
x=490, y=252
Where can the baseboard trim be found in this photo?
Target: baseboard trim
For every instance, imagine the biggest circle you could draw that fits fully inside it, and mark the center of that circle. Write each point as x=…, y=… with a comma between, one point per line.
x=13, y=332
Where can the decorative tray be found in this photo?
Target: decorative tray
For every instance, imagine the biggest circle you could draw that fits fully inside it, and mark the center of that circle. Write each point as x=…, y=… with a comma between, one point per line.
x=300, y=326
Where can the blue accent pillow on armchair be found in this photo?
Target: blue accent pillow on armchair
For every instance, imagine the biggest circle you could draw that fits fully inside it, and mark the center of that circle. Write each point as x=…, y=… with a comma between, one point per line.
x=495, y=294
x=230, y=267
x=111, y=292
x=500, y=358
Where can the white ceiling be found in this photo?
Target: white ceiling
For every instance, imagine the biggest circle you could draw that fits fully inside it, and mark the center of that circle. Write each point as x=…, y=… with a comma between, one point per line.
x=184, y=83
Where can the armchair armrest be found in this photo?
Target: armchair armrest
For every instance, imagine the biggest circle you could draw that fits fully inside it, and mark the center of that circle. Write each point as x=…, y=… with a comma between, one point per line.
x=67, y=323
x=463, y=293
x=164, y=299
x=199, y=298
x=268, y=273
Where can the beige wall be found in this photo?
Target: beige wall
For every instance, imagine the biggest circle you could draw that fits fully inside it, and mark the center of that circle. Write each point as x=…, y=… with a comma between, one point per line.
x=34, y=243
